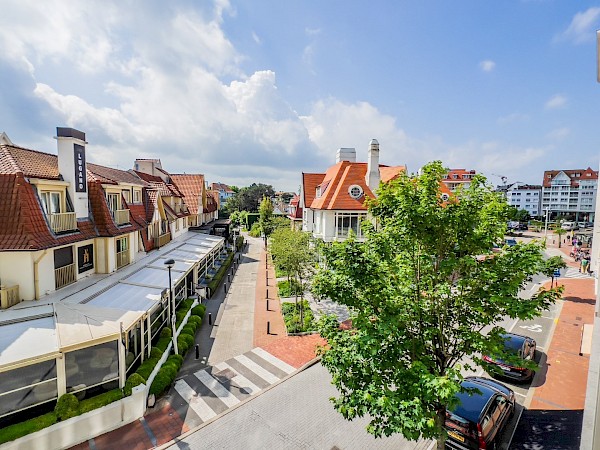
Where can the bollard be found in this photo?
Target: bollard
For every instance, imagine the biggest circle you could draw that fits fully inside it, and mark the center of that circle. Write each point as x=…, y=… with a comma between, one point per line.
x=228, y=278
x=267, y=293
x=209, y=318
x=267, y=304
x=225, y=287
x=268, y=327
x=197, y=351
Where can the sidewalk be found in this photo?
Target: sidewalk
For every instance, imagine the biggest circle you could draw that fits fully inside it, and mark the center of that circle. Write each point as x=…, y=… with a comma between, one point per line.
x=240, y=319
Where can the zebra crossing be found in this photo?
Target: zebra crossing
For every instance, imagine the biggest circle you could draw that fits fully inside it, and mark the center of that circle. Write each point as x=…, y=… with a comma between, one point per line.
x=573, y=272
x=211, y=391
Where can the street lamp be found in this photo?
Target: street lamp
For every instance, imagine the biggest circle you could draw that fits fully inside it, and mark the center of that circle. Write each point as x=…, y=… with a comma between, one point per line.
x=170, y=263
x=546, y=224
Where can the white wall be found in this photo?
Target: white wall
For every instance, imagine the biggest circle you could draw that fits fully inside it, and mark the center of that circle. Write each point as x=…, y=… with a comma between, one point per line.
x=17, y=268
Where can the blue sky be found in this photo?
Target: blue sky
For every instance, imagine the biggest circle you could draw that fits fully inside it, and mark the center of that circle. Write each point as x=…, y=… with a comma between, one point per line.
x=247, y=91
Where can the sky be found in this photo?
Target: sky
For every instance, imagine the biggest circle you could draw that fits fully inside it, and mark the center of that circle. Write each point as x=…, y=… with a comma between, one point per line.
x=250, y=91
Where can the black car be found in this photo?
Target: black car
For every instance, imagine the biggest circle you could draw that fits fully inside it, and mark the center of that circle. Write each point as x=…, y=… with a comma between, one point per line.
x=480, y=416
x=522, y=346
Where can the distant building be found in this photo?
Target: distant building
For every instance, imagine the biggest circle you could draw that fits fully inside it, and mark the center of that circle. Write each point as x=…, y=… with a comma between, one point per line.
x=224, y=191
x=571, y=193
x=525, y=196
x=458, y=177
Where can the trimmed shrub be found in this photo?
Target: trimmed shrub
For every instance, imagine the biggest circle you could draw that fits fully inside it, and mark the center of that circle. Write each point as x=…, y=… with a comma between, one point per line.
x=135, y=379
x=190, y=328
x=66, y=407
x=199, y=310
x=179, y=316
x=161, y=382
x=101, y=400
x=166, y=332
x=214, y=283
x=156, y=353
x=177, y=359
x=182, y=345
x=163, y=343
x=170, y=370
x=146, y=368
x=195, y=320
x=12, y=432
x=186, y=304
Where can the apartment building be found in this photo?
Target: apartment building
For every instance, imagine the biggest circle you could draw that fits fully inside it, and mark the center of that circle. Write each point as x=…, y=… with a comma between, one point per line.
x=525, y=196
x=571, y=193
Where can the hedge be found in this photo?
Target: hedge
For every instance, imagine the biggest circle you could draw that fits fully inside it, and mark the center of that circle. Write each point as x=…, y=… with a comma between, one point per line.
x=99, y=401
x=135, y=379
x=147, y=367
x=166, y=332
x=199, y=311
x=66, y=407
x=216, y=280
x=12, y=432
x=161, y=382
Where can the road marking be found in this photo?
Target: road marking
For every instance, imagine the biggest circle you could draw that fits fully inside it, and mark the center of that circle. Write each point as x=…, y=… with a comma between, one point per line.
x=512, y=435
x=258, y=370
x=198, y=405
x=519, y=394
x=536, y=328
x=242, y=381
x=217, y=388
x=275, y=361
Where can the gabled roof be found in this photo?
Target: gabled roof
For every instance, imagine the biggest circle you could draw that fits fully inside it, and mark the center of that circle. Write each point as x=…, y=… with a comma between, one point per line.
x=108, y=175
x=310, y=181
x=191, y=186
x=221, y=187
x=32, y=163
x=165, y=189
x=339, y=178
x=212, y=202
x=295, y=208
x=575, y=175
x=459, y=175
x=103, y=219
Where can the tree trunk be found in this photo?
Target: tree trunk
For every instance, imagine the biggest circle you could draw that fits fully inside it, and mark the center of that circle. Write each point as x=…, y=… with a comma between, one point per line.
x=440, y=420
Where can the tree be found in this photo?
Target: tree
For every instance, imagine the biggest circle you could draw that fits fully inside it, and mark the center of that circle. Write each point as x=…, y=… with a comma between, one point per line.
x=266, y=217
x=551, y=265
x=248, y=198
x=519, y=215
x=292, y=253
x=559, y=231
x=420, y=294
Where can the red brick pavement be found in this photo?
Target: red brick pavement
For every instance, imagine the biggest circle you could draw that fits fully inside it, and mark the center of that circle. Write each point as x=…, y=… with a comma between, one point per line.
x=131, y=437
x=166, y=424
x=295, y=350
x=566, y=378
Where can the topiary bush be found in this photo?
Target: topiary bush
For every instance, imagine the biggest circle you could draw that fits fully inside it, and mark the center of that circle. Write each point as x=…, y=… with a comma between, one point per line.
x=199, y=311
x=66, y=407
x=156, y=353
x=161, y=382
x=146, y=368
x=190, y=328
x=12, y=432
x=177, y=359
x=166, y=332
x=195, y=319
x=163, y=343
x=135, y=379
x=186, y=304
x=101, y=400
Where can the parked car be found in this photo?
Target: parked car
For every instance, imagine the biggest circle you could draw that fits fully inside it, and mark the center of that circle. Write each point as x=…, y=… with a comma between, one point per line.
x=568, y=226
x=481, y=415
x=523, y=226
x=510, y=242
x=522, y=346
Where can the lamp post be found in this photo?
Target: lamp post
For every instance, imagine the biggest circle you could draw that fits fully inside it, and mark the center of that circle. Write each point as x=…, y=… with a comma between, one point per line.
x=546, y=224
x=170, y=263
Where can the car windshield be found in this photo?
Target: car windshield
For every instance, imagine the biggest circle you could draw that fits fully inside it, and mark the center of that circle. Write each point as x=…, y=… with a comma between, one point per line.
x=512, y=344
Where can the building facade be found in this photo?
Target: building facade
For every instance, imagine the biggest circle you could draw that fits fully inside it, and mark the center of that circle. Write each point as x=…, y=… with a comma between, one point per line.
x=525, y=196
x=570, y=193
x=456, y=178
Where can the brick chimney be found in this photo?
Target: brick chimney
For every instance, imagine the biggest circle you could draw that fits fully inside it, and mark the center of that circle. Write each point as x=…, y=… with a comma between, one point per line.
x=71, y=165
x=373, y=176
x=345, y=154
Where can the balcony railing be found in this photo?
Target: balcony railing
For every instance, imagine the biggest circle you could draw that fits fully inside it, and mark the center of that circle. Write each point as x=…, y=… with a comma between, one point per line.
x=64, y=275
x=121, y=216
x=60, y=222
x=122, y=259
x=162, y=239
x=9, y=296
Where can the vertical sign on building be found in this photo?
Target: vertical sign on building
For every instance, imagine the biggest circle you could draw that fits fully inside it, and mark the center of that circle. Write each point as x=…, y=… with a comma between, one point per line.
x=80, y=176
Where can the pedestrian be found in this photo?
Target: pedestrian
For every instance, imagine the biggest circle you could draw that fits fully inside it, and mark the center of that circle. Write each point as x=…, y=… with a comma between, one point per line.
x=568, y=237
x=585, y=262
x=574, y=241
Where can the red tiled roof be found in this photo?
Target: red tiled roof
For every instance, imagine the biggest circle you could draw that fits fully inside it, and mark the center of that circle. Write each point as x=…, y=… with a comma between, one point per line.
x=156, y=182
x=576, y=175
x=338, y=179
x=191, y=186
x=113, y=176
x=295, y=209
x=310, y=181
x=459, y=175
x=32, y=163
x=103, y=219
x=221, y=187
x=212, y=202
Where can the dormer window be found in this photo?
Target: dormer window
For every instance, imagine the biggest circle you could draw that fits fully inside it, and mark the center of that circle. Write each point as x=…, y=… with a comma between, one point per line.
x=318, y=191
x=455, y=176
x=355, y=191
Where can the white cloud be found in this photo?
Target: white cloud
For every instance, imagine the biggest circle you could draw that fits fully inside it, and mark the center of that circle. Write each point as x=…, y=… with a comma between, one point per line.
x=256, y=38
x=582, y=27
x=559, y=133
x=512, y=118
x=487, y=65
x=556, y=101
x=312, y=31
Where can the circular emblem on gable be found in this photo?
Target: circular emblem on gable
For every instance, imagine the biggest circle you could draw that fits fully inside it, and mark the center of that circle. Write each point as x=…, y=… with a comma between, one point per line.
x=355, y=191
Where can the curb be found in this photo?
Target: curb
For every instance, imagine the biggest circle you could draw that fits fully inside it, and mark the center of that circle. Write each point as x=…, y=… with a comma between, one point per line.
x=177, y=439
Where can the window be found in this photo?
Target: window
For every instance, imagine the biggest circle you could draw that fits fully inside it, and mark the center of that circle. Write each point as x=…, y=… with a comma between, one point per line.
x=355, y=191
x=127, y=196
x=122, y=244
x=347, y=221
x=51, y=202
x=113, y=202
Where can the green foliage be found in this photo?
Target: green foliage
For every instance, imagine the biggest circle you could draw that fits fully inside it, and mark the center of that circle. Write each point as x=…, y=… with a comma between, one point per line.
x=199, y=311
x=166, y=332
x=179, y=316
x=195, y=320
x=175, y=359
x=156, y=353
x=266, y=216
x=135, y=379
x=248, y=198
x=66, y=407
x=289, y=288
x=216, y=280
x=161, y=382
x=12, y=432
x=185, y=305
x=298, y=317
x=189, y=328
x=147, y=367
x=519, y=215
x=420, y=294
x=256, y=230
x=89, y=404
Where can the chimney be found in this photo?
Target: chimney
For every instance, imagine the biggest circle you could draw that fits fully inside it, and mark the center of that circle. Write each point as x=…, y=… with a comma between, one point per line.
x=373, y=177
x=71, y=165
x=345, y=154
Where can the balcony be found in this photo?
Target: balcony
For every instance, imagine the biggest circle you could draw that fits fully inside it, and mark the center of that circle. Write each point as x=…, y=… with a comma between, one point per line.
x=121, y=216
x=122, y=258
x=163, y=239
x=9, y=296
x=64, y=276
x=60, y=222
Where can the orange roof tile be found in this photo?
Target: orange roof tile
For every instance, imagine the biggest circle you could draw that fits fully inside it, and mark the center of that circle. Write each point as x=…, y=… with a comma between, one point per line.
x=310, y=181
x=191, y=186
x=32, y=163
x=576, y=175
